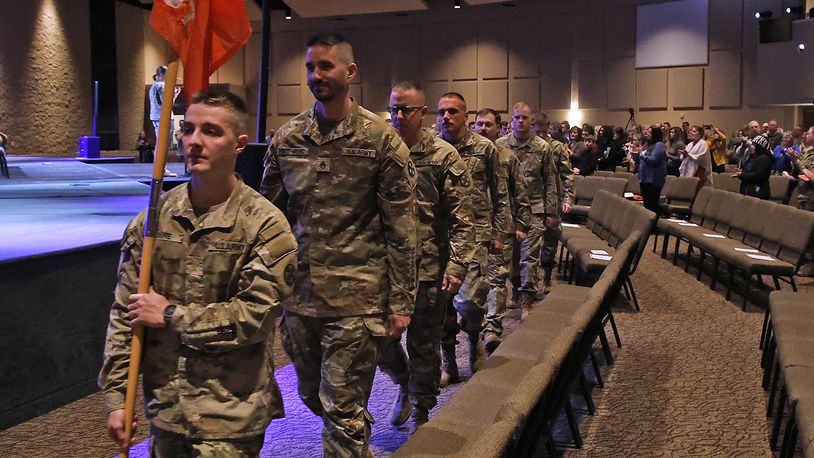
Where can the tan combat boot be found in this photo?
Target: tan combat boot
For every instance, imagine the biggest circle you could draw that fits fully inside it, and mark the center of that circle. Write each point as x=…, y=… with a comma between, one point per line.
x=449, y=367
x=477, y=356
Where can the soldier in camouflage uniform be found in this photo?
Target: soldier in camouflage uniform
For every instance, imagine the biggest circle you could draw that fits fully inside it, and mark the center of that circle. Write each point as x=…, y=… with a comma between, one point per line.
x=223, y=260
x=346, y=182
x=492, y=220
x=562, y=155
x=447, y=245
x=487, y=123
x=540, y=169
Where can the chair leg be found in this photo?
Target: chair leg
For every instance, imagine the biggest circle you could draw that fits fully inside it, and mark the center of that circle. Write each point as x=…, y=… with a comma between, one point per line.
x=689, y=258
x=675, y=250
x=793, y=284
x=776, y=282
x=763, y=330
x=731, y=281
x=773, y=389
x=664, y=244
x=586, y=393
x=790, y=436
x=713, y=282
x=572, y=422
x=701, y=264
x=633, y=294
x=597, y=374
x=748, y=278
x=769, y=363
x=778, y=419
x=615, y=330
x=603, y=339
x=655, y=239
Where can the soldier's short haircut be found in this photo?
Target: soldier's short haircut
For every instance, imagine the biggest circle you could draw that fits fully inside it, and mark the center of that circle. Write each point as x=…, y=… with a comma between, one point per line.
x=454, y=95
x=410, y=85
x=228, y=100
x=520, y=105
x=331, y=39
x=540, y=117
x=492, y=112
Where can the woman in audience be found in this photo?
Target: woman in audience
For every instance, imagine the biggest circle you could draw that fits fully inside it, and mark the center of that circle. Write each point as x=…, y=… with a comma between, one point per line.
x=611, y=148
x=695, y=160
x=652, y=164
x=676, y=142
x=756, y=170
x=575, y=143
x=717, y=147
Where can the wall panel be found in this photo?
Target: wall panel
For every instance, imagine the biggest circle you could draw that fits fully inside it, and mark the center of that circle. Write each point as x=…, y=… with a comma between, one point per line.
x=493, y=94
x=686, y=87
x=651, y=89
x=723, y=79
x=621, y=84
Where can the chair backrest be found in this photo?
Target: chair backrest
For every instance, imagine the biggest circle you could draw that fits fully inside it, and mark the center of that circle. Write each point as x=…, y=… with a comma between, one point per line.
x=711, y=210
x=682, y=190
x=619, y=168
x=793, y=201
x=739, y=224
x=755, y=221
x=619, y=267
x=726, y=182
x=797, y=235
x=597, y=212
x=585, y=191
x=603, y=173
x=778, y=187
x=774, y=227
x=615, y=186
x=619, y=224
x=726, y=212
x=643, y=223
x=699, y=205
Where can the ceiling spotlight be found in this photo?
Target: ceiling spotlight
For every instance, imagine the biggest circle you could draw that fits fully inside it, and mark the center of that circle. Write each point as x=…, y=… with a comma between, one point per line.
x=801, y=47
x=794, y=10
x=763, y=14
x=288, y=13
x=457, y=4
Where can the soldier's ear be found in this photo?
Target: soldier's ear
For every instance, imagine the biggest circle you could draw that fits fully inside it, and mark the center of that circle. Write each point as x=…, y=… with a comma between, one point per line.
x=352, y=69
x=242, y=140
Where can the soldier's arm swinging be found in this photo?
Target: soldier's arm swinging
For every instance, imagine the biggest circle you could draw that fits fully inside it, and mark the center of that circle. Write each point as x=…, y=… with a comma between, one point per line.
x=499, y=192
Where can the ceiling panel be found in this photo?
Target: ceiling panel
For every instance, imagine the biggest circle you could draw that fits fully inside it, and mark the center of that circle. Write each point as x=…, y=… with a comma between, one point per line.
x=322, y=8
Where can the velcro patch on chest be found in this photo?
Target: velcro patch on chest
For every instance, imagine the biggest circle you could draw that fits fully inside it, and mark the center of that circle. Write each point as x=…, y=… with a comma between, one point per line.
x=426, y=162
x=283, y=151
x=169, y=237
x=359, y=152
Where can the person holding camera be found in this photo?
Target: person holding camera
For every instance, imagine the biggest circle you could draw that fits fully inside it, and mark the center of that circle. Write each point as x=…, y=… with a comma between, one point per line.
x=756, y=171
x=717, y=148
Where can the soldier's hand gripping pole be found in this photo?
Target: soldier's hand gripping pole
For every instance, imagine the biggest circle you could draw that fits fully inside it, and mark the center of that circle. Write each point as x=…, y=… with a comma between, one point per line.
x=149, y=242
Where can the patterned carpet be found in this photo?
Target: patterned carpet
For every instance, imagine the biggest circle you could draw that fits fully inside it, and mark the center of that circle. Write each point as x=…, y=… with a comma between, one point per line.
x=686, y=383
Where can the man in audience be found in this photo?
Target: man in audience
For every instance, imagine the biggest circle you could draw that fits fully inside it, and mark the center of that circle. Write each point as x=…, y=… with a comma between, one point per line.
x=500, y=262
x=346, y=182
x=446, y=235
x=492, y=219
x=743, y=151
x=222, y=263
x=797, y=135
x=774, y=134
x=539, y=163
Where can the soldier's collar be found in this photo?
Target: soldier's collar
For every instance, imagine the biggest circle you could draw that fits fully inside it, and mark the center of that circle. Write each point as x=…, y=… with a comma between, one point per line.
x=514, y=141
x=222, y=216
x=469, y=139
x=348, y=126
x=424, y=144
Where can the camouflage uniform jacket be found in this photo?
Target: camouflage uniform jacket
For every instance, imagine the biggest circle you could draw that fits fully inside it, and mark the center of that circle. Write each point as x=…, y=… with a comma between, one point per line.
x=540, y=169
x=445, y=225
x=350, y=198
x=806, y=188
x=210, y=373
x=490, y=201
x=562, y=155
x=518, y=190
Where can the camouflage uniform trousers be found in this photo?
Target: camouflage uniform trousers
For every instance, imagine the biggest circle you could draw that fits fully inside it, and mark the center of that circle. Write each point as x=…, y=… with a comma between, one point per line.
x=335, y=360
x=470, y=301
x=422, y=372
x=807, y=266
x=165, y=444
x=551, y=238
x=530, y=253
x=500, y=269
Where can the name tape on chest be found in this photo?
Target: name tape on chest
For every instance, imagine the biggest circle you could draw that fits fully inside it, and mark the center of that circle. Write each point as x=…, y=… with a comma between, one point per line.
x=428, y=162
x=169, y=237
x=292, y=151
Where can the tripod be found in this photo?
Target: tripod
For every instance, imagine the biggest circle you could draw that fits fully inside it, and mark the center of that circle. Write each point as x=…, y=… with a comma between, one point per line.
x=632, y=119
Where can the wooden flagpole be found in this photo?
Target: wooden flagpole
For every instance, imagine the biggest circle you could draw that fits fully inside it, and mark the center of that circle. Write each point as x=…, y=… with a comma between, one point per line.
x=162, y=144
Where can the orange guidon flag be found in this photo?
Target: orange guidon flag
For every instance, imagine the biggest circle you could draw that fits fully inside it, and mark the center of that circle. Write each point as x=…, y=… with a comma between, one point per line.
x=205, y=33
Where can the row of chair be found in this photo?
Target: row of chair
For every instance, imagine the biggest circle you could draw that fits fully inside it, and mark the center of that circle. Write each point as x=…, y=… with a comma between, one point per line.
x=611, y=219
x=778, y=186
x=788, y=369
x=507, y=407
x=585, y=189
x=756, y=237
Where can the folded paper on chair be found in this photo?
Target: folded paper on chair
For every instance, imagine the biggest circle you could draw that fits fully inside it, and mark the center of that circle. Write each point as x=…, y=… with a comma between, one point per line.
x=601, y=257
x=570, y=225
x=761, y=257
x=599, y=252
x=715, y=236
x=747, y=250
x=688, y=224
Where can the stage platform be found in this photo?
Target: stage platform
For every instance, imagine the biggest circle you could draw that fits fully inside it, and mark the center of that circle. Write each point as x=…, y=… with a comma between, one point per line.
x=56, y=204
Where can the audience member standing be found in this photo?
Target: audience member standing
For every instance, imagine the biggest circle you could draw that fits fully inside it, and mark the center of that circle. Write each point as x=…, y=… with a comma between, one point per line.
x=717, y=148
x=805, y=174
x=785, y=154
x=676, y=142
x=652, y=163
x=695, y=160
x=756, y=171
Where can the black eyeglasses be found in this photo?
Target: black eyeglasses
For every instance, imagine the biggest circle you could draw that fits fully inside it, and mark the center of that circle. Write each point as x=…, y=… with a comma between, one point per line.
x=405, y=110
